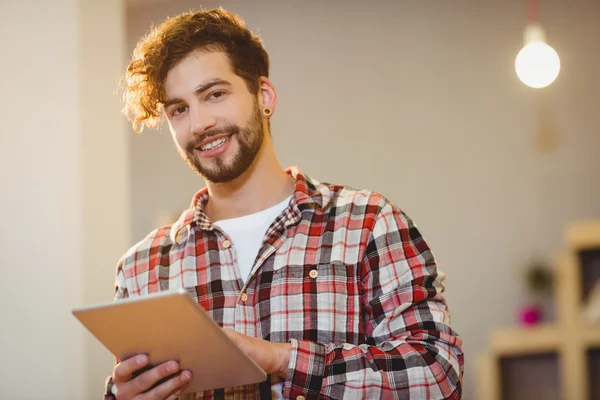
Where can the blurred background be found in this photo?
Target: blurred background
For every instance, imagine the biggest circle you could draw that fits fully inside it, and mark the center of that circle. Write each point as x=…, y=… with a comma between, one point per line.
x=418, y=100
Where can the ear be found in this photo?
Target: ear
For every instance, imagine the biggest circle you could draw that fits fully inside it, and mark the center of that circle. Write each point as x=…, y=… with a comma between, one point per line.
x=267, y=98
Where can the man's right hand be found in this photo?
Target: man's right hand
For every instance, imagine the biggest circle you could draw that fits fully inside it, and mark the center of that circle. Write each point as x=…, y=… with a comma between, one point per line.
x=130, y=387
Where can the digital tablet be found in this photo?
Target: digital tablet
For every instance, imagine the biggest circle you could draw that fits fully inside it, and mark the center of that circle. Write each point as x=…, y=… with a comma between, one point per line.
x=168, y=326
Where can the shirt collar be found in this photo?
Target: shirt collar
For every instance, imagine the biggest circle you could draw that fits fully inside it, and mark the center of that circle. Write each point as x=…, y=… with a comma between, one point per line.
x=309, y=194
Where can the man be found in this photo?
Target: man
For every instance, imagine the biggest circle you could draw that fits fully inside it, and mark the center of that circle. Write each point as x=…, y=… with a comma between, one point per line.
x=332, y=291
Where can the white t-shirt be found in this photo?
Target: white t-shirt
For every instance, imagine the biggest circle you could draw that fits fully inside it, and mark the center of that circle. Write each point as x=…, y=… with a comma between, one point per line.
x=247, y=234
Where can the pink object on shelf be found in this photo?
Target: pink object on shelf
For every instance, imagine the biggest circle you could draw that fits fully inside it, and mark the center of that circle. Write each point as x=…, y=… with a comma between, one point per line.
x=530, y=315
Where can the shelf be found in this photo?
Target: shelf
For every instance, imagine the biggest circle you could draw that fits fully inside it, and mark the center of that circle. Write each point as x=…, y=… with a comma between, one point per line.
x=589, y=262
x=558, y=360
x=593, y=361
x=545, y=338
x=591, y=335
x=531, y=377
x=540, y=339
x=583, y=234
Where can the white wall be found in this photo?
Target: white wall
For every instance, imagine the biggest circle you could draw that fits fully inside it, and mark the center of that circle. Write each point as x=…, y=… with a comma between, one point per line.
x=64, y=209
x=107, y=173
x=41, y=206
x=420, y=101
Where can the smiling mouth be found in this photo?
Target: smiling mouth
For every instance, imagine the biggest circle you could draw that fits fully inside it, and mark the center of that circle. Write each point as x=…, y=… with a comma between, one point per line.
x=214, y=144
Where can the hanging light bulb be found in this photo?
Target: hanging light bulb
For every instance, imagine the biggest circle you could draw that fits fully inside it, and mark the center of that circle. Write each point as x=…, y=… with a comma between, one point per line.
x=537, y=64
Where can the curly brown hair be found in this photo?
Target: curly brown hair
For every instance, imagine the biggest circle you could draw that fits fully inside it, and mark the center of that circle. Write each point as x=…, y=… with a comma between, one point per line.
x=164, y=46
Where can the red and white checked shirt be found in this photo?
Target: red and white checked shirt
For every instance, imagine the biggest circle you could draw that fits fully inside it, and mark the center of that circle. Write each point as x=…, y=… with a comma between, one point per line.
x=343, y=276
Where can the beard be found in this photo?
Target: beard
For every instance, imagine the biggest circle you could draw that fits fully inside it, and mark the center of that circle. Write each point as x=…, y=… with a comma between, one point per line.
x=249, y=139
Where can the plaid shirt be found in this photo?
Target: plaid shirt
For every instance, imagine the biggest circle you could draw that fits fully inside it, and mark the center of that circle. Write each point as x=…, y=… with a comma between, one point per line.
x=342, y=275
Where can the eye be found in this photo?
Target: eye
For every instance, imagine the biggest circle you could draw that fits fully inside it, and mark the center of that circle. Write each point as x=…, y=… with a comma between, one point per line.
x=179, y=110
x=216, y=95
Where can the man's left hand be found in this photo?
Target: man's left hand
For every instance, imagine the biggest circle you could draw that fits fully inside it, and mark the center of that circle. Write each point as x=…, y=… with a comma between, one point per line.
x=273, y=358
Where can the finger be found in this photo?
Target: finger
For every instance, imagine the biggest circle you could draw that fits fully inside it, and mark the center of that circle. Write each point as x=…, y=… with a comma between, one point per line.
x=146, y=380
x=124, y=370
x=173, y=387
x=179, y=391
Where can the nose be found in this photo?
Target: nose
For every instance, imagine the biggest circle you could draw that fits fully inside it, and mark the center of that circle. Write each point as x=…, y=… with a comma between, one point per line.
x=200, y=120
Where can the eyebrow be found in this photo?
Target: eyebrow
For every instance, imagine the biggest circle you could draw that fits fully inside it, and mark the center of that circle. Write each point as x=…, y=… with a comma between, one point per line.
x=203, y=87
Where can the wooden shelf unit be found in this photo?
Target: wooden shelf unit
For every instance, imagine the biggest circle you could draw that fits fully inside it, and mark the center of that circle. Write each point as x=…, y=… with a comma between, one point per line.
x=574, y=341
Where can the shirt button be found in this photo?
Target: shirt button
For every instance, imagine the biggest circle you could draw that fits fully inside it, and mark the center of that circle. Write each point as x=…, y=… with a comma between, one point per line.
x=313, y=273
x=300, y=398
x=244, y=297
x=226, y=244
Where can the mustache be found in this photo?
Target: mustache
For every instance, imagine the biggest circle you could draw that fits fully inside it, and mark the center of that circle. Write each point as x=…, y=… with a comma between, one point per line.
x=228, y=130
